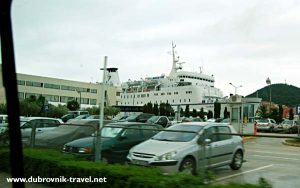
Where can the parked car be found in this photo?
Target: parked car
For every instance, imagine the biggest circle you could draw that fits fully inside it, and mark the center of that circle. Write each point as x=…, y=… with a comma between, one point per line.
x=67, y=117
x=3, y=118
x=119, y=118
x=160, y=120
x=265, y=124
x=42, y=124
x=184, y=151
x=78, y=117
x=143, y=117
x=289, y=126
x=116, y=140
x=66, y=133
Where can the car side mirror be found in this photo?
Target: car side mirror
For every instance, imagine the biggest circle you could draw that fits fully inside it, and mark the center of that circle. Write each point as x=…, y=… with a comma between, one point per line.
x=207, y=141
x=122, y=137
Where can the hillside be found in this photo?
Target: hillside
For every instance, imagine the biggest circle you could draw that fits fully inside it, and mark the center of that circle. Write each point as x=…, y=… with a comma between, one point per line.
x=284, y=94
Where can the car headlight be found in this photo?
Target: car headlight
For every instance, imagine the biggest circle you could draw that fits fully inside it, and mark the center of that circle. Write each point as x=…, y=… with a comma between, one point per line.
x=167, y=156
x=85, y=150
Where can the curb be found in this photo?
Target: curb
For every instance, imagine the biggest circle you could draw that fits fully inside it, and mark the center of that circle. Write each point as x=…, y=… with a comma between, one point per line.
x=246, y=138
x=290, y=144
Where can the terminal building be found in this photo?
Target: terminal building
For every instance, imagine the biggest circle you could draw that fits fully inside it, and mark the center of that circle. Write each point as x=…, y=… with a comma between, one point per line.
x=60, y=91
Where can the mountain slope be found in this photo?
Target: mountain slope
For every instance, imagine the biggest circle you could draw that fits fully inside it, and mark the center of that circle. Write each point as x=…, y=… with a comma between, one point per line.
x=283, y=94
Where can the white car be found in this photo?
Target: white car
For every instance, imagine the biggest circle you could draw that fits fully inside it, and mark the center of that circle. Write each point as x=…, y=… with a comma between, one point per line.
x=190, y=151
x=42, y=124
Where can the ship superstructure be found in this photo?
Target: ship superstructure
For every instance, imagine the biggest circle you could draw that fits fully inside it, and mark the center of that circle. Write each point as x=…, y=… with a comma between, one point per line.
x=179, y=88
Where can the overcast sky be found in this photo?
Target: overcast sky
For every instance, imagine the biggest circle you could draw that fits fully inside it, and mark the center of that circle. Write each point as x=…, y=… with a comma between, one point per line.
x=237, y=41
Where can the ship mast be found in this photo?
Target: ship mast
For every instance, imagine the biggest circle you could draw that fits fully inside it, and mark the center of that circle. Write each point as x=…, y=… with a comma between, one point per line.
x=175, y=60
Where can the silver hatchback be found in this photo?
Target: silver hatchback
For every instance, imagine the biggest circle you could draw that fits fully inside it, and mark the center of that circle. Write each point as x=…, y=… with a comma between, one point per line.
x=190, y=147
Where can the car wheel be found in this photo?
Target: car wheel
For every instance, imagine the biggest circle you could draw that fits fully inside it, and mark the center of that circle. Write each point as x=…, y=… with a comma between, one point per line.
x=237, y=160
x=104, y=160
x=188, y=165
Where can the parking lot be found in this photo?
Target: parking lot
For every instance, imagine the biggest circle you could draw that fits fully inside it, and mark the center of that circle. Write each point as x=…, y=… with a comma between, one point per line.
x=268, y=158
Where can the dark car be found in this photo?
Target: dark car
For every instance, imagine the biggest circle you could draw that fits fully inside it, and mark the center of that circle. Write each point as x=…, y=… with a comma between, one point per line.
x=67, y=133
x=116, y=140
x=143, y=117
x=160, y=120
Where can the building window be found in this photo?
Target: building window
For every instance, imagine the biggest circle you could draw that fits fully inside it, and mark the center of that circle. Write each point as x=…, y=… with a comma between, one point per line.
x=69, y=88
x=34, y=84
x=175, y=93
x=93, y=90
x=162, y=93
x=27, y=95
x=21, y=95
x=52, y=98
x=93, y=101
x=65, y=99
x=169, y=93
x=51, y=86
x=21, y=82
x=155, y=94
x=118, y=93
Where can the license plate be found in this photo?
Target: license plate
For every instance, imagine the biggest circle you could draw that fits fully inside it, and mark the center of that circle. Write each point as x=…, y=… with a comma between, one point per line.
x=139, y=162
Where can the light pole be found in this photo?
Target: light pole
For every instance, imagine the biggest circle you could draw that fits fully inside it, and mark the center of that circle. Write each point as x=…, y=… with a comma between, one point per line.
x=78, y=91
x=235, y=87
x=268, y=81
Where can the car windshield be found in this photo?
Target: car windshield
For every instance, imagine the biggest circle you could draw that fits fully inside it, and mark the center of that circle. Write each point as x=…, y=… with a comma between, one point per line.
x=262, y=121
x=178, y=136
x=153, y=119
x=132, y=117
x=80, y=117
x=110, y=132
x=288, y=122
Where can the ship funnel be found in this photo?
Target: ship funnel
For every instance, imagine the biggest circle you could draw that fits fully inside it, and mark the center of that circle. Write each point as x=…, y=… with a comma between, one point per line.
x=113, y=77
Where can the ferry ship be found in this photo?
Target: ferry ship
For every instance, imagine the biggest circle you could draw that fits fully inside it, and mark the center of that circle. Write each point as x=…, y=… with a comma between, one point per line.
x=180, y=88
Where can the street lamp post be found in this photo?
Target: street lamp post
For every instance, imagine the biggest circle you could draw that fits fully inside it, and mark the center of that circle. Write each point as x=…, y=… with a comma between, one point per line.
x=235, y=87
x=78, y=91
x=268, y=81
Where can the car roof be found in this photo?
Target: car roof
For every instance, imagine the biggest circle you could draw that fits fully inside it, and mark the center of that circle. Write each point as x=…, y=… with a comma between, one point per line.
x=32, y=118
x=130, y=124
x=204, y=124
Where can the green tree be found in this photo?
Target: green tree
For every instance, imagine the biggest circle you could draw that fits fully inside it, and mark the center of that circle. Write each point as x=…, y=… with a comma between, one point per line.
x=29, y=108
x=225, y=113
x=201, y=113
x=291, y=114
x=280, y=114
x=111, y=111
x=187, y=111
x=274, y=114
x=3, y=109
x=162, y=109
x=210, y=114
x=217, y=109
x=57, y=111
x=93, y=110
x=194, y=113
x=262, y=111
x=155, y=109
x=181, y=112
x=73, y=105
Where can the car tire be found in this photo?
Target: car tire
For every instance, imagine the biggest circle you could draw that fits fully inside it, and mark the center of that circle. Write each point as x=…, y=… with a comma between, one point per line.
x=237, y=160
x=188, y=165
